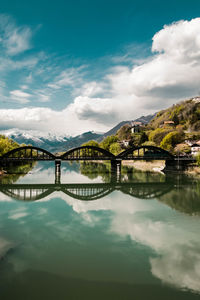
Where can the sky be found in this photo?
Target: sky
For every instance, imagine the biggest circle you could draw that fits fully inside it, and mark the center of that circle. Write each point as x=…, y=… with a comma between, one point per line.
x=72, y=66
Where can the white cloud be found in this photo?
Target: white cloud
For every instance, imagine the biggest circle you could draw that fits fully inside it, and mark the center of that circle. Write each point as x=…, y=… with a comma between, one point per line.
x=70, y=77
x=171, y=74
x=45, y=119
x=14, y=39
x=168, y=77
x=175, y=241
x=20, y=96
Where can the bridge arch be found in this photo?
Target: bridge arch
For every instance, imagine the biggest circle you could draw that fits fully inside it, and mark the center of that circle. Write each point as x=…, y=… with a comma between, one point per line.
x=145, y=152
x=87, y=153
x=147, y=191
x=88, y=193
x=27, y=194
x=28, y=152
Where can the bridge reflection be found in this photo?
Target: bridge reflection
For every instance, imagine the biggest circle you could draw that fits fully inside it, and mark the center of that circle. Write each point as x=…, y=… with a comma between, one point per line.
x=87, y=191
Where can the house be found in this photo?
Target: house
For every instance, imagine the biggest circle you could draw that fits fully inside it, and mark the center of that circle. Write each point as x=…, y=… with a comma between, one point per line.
x=125, y=143
x=136, y=127
x=195, y=149
x=169, y=123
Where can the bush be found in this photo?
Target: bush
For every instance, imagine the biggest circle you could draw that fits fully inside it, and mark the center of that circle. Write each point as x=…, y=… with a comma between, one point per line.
x=108, y=141
x=124, y=133
x=158, y=134
x=115, y=148
x=7, y=144
x=198, y=158
x=171, y=139
x=91, y=143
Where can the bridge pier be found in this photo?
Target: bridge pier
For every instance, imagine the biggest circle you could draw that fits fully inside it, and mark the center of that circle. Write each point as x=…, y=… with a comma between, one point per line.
x=57, y=171
x=116, y=169
x=175, y=165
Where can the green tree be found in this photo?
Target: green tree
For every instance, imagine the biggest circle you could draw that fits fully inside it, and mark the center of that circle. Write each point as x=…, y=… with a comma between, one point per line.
x=115, y=148
x=7, y=144
x=91, y=143
x=108, y=141
x=158, y=134
x=171, y=139
x=198, y=159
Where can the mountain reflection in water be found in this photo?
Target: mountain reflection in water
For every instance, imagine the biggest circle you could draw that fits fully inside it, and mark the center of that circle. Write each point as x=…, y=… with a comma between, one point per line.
x=94, y=237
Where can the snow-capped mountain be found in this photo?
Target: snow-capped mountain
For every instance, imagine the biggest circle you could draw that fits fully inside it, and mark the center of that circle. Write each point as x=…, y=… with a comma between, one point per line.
x=48, y=141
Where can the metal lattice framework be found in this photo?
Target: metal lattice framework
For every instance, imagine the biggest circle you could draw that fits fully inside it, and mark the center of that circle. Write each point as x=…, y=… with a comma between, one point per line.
x=88, y=153
x=85, y=192
x=27, y=194
x=28, y=153
x=145, y=153
x=88, y=193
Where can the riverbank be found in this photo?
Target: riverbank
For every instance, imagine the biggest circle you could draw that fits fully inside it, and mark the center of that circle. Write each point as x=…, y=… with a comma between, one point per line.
x=153, y=166
x=158, y=166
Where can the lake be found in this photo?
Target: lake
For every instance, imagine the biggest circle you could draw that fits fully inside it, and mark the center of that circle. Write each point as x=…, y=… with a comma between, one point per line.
x=94, y=236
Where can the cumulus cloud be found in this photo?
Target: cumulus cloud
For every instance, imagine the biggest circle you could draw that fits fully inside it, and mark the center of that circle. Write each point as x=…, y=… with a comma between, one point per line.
x=45, y=120
x=169, y=75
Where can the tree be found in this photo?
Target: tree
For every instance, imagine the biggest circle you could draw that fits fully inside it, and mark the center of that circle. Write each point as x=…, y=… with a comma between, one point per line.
x=171, y=139
x=198, y=158
x=115, y=148
x=124, y=133
x=7, y=145
x=91, y=143
x=108, y=141
x=158, y=134
x=182, y=149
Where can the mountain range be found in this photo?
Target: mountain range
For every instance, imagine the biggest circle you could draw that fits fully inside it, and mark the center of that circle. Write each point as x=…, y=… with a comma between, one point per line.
x=60, y=143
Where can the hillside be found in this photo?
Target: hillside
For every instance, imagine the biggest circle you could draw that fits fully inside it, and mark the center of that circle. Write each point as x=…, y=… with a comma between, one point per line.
x=174, y=129
x=185, y=114
x=113, y=131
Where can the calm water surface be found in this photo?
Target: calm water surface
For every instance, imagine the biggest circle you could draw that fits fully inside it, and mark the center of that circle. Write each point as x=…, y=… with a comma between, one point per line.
x=92, y=237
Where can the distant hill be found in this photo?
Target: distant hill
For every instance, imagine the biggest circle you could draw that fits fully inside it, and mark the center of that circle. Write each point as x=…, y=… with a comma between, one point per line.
x=185, y=114
x=48, y=141
x=113, y=131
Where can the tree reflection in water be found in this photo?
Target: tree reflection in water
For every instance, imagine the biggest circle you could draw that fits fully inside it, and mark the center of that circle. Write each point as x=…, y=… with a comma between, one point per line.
x=175, y=191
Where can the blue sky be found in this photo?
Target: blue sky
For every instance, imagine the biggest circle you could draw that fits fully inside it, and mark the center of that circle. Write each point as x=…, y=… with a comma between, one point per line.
x=74, y=66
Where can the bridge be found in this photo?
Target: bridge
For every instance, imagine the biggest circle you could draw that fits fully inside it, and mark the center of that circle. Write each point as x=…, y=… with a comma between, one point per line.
x=87, y=191
x=92, y=153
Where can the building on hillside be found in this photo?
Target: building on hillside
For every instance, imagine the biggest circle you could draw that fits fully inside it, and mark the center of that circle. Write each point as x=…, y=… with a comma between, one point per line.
x=195, y=149
x=198, y=142
x=196, y=99
x=192, y=142
x=136, y=127
x=125, y=143
x=168, y=123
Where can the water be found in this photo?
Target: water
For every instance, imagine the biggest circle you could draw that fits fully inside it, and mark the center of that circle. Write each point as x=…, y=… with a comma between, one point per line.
x=92, y=237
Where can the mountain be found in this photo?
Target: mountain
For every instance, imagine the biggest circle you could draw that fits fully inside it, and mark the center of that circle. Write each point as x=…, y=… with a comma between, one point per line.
x=61, y=143
x=113, y=131
x=186, y=114
x=48, y=141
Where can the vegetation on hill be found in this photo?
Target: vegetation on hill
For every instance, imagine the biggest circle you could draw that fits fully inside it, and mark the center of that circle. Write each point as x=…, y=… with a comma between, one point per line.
x=186, y=114
x=6, y=145
x=168, y=129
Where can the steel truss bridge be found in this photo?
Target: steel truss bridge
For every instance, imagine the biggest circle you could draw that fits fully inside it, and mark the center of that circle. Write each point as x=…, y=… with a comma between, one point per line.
x=92, y=153
x=85, y=192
